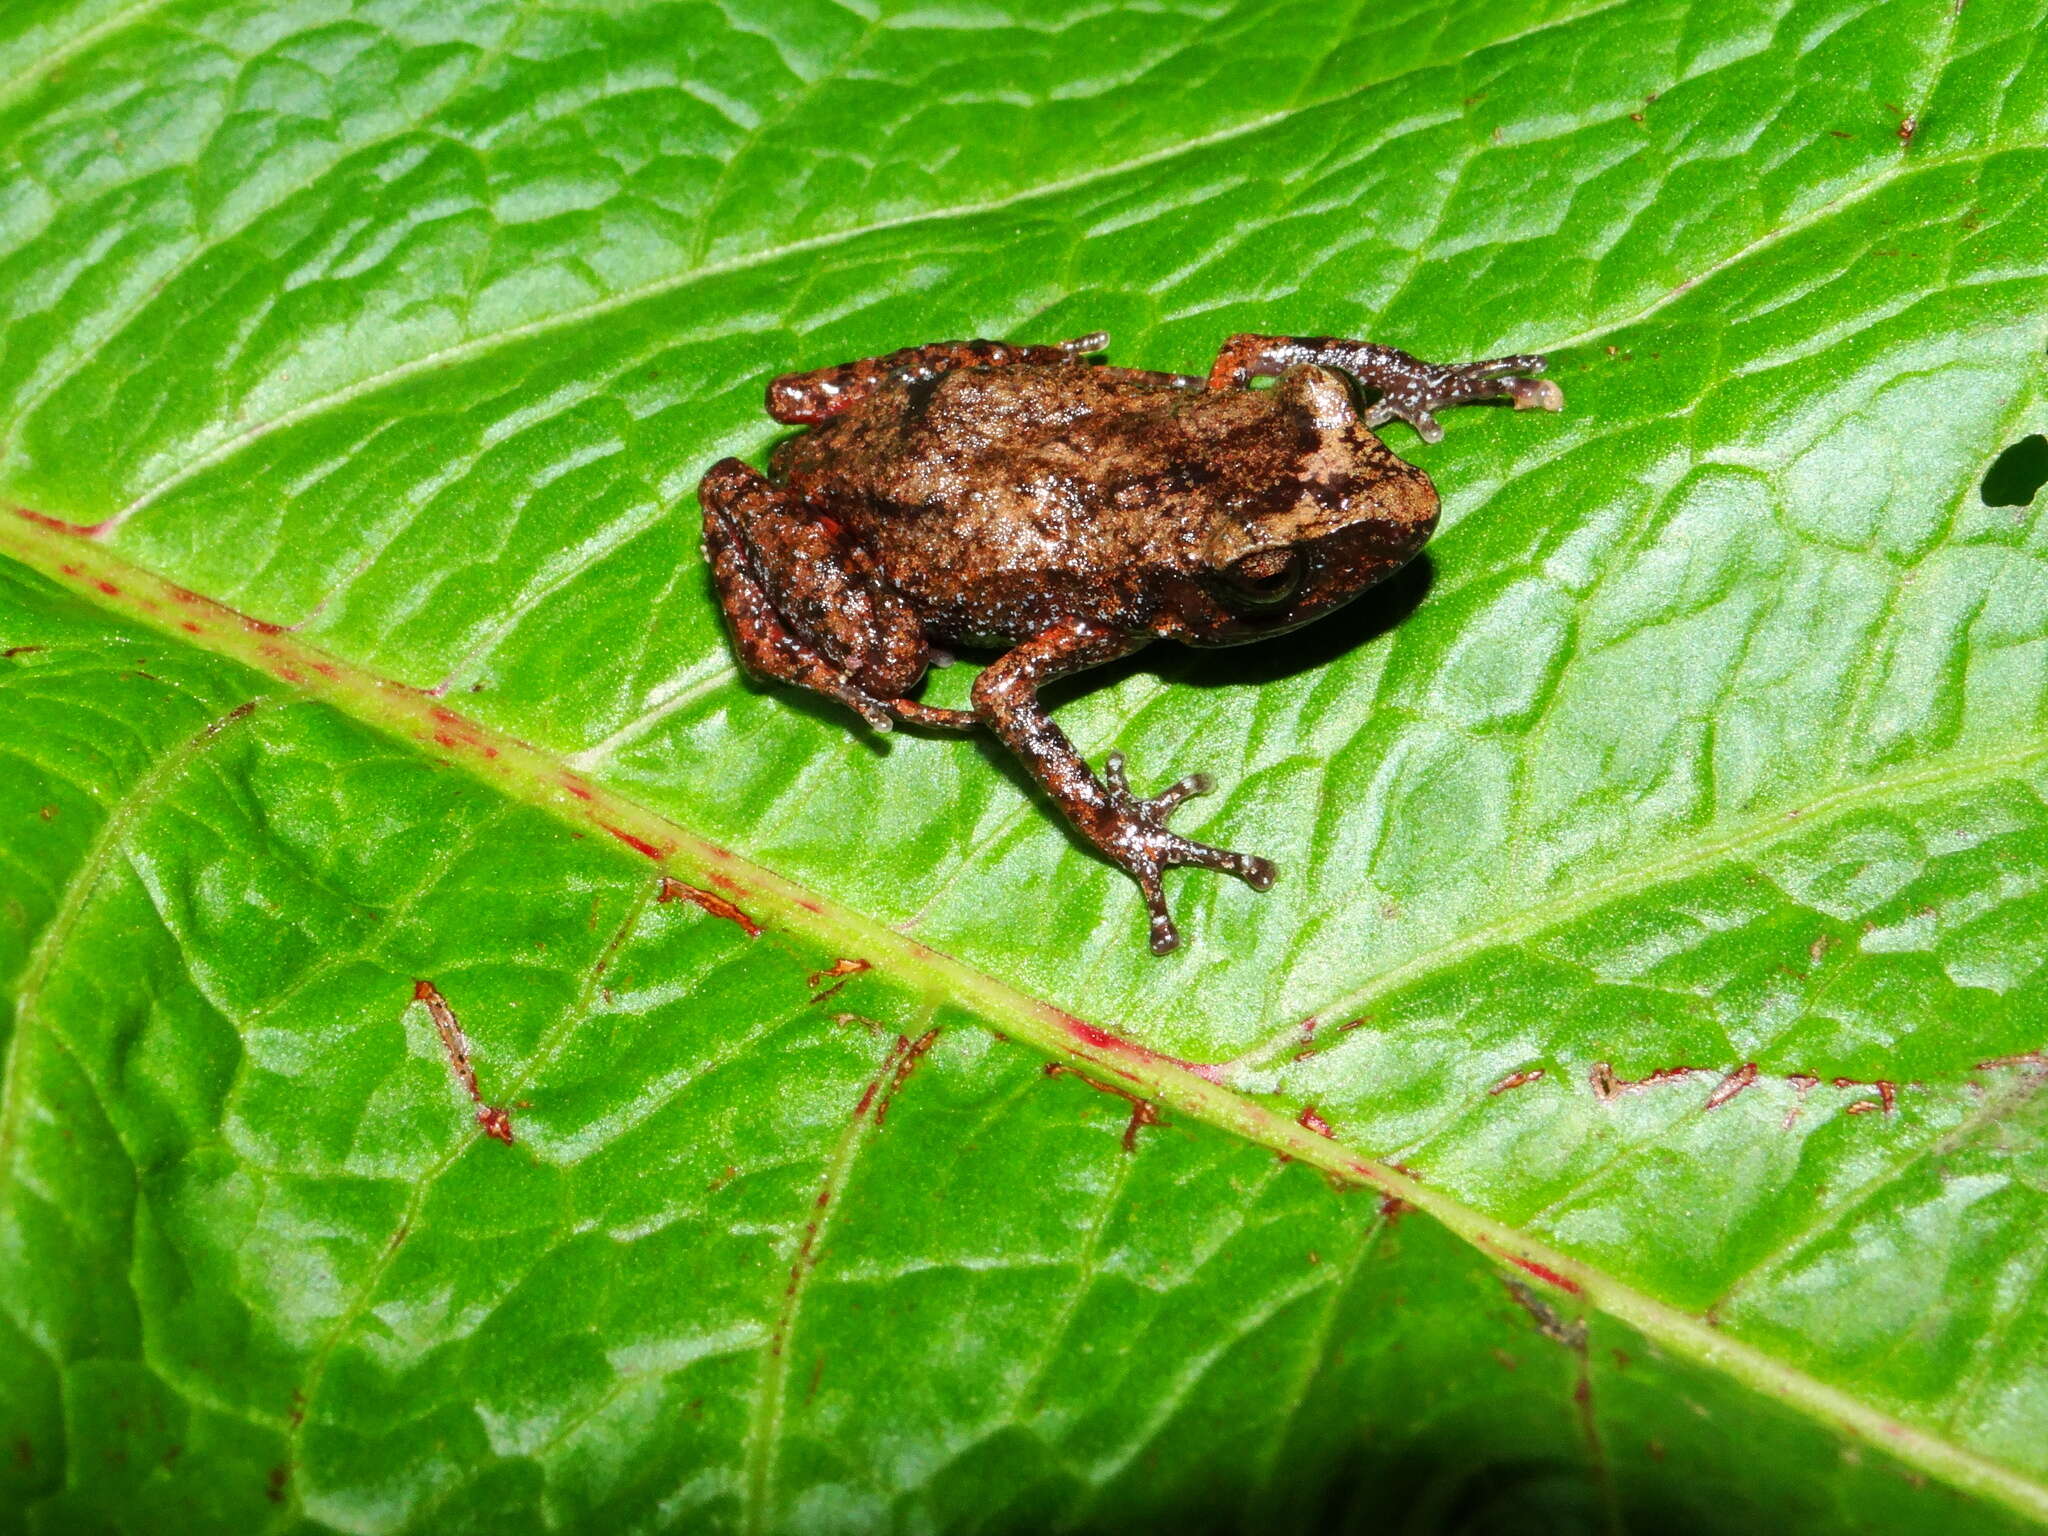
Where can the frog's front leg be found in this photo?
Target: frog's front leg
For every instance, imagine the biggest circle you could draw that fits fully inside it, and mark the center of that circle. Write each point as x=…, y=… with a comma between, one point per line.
x=819, y=394
x=1409, y=388
x=1128, y=830
x=805, y=603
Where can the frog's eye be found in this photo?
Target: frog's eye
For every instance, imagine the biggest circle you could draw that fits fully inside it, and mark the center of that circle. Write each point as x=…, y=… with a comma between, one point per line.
x=1264, y=577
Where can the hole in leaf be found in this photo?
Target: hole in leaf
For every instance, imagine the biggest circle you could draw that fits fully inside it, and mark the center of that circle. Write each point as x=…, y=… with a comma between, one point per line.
x=2018, y=473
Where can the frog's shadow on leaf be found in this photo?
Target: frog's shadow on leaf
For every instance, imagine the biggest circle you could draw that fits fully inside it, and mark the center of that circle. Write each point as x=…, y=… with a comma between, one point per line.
x=1359, y=622
x=1364, y=619
x=1256, y=663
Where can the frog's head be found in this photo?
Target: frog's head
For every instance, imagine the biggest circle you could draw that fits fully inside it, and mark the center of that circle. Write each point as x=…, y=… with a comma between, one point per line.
x=1344, y=514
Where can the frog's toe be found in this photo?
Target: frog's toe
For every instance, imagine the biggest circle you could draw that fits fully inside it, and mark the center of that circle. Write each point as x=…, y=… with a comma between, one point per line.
x=864, y=704
x=1502, y=376
x=1248, y=867
x=1427, y=388
x=1501, y=367
x=1145, y=849
x=1426, y=426
x=1154, y=809
x=1165, y=937
x=1169, y=850
x=1255, y=872
x=933, y=717
x=1148, y=869
x=1534, y=394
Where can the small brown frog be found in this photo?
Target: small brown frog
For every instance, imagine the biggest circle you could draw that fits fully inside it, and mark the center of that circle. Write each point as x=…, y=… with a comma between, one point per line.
x=977, y=493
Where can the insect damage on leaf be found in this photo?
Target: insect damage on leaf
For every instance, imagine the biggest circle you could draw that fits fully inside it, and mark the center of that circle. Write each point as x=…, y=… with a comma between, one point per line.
x=496, y=1122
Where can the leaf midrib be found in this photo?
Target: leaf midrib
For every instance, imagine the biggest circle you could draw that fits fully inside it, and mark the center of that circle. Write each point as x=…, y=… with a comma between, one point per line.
x=522, y=772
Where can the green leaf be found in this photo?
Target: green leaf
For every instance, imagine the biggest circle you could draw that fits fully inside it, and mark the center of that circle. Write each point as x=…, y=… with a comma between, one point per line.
x=1661, y=910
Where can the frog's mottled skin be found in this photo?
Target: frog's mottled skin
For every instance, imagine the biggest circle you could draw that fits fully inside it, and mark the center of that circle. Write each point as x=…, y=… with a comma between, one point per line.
x=983, y=494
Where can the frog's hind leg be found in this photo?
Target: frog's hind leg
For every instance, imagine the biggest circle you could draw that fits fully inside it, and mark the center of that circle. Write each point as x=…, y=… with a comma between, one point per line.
x=1410, y=389
x=803, y=601
x=805, y=399
x=1127, y=829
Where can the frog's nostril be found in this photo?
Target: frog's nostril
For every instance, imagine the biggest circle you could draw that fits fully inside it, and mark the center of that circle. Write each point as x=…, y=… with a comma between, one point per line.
x=2017, y=475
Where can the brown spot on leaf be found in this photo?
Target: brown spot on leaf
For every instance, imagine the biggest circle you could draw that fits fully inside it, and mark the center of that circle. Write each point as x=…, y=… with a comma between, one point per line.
x=1551, y=1323
x=496, y=1123
x=639, y=845
x=1731, y=1085
x=673, y=889
x=1886, y=1101
x=1607, y=1086
x=44, y=519
x=1143, y=1111
x=908, y=1054
x=1543, y=1272
x=842, y=968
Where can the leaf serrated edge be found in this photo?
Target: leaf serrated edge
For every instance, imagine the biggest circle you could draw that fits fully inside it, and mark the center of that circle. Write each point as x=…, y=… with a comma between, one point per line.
x=67, y=555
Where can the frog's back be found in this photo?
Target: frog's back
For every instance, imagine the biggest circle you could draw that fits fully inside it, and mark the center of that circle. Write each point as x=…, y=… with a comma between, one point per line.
x=997, y=498
x=911, y=448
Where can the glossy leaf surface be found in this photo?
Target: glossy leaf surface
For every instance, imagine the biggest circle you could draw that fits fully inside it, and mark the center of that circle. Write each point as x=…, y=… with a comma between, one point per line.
x=1661, y=899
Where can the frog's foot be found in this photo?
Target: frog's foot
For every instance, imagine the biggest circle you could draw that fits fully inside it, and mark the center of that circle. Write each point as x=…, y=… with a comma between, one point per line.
x=1139, y=842
x=1410, y=389
x=1414, y=390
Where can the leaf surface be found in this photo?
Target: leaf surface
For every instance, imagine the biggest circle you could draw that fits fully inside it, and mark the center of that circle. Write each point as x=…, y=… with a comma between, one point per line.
x=1662, y=860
